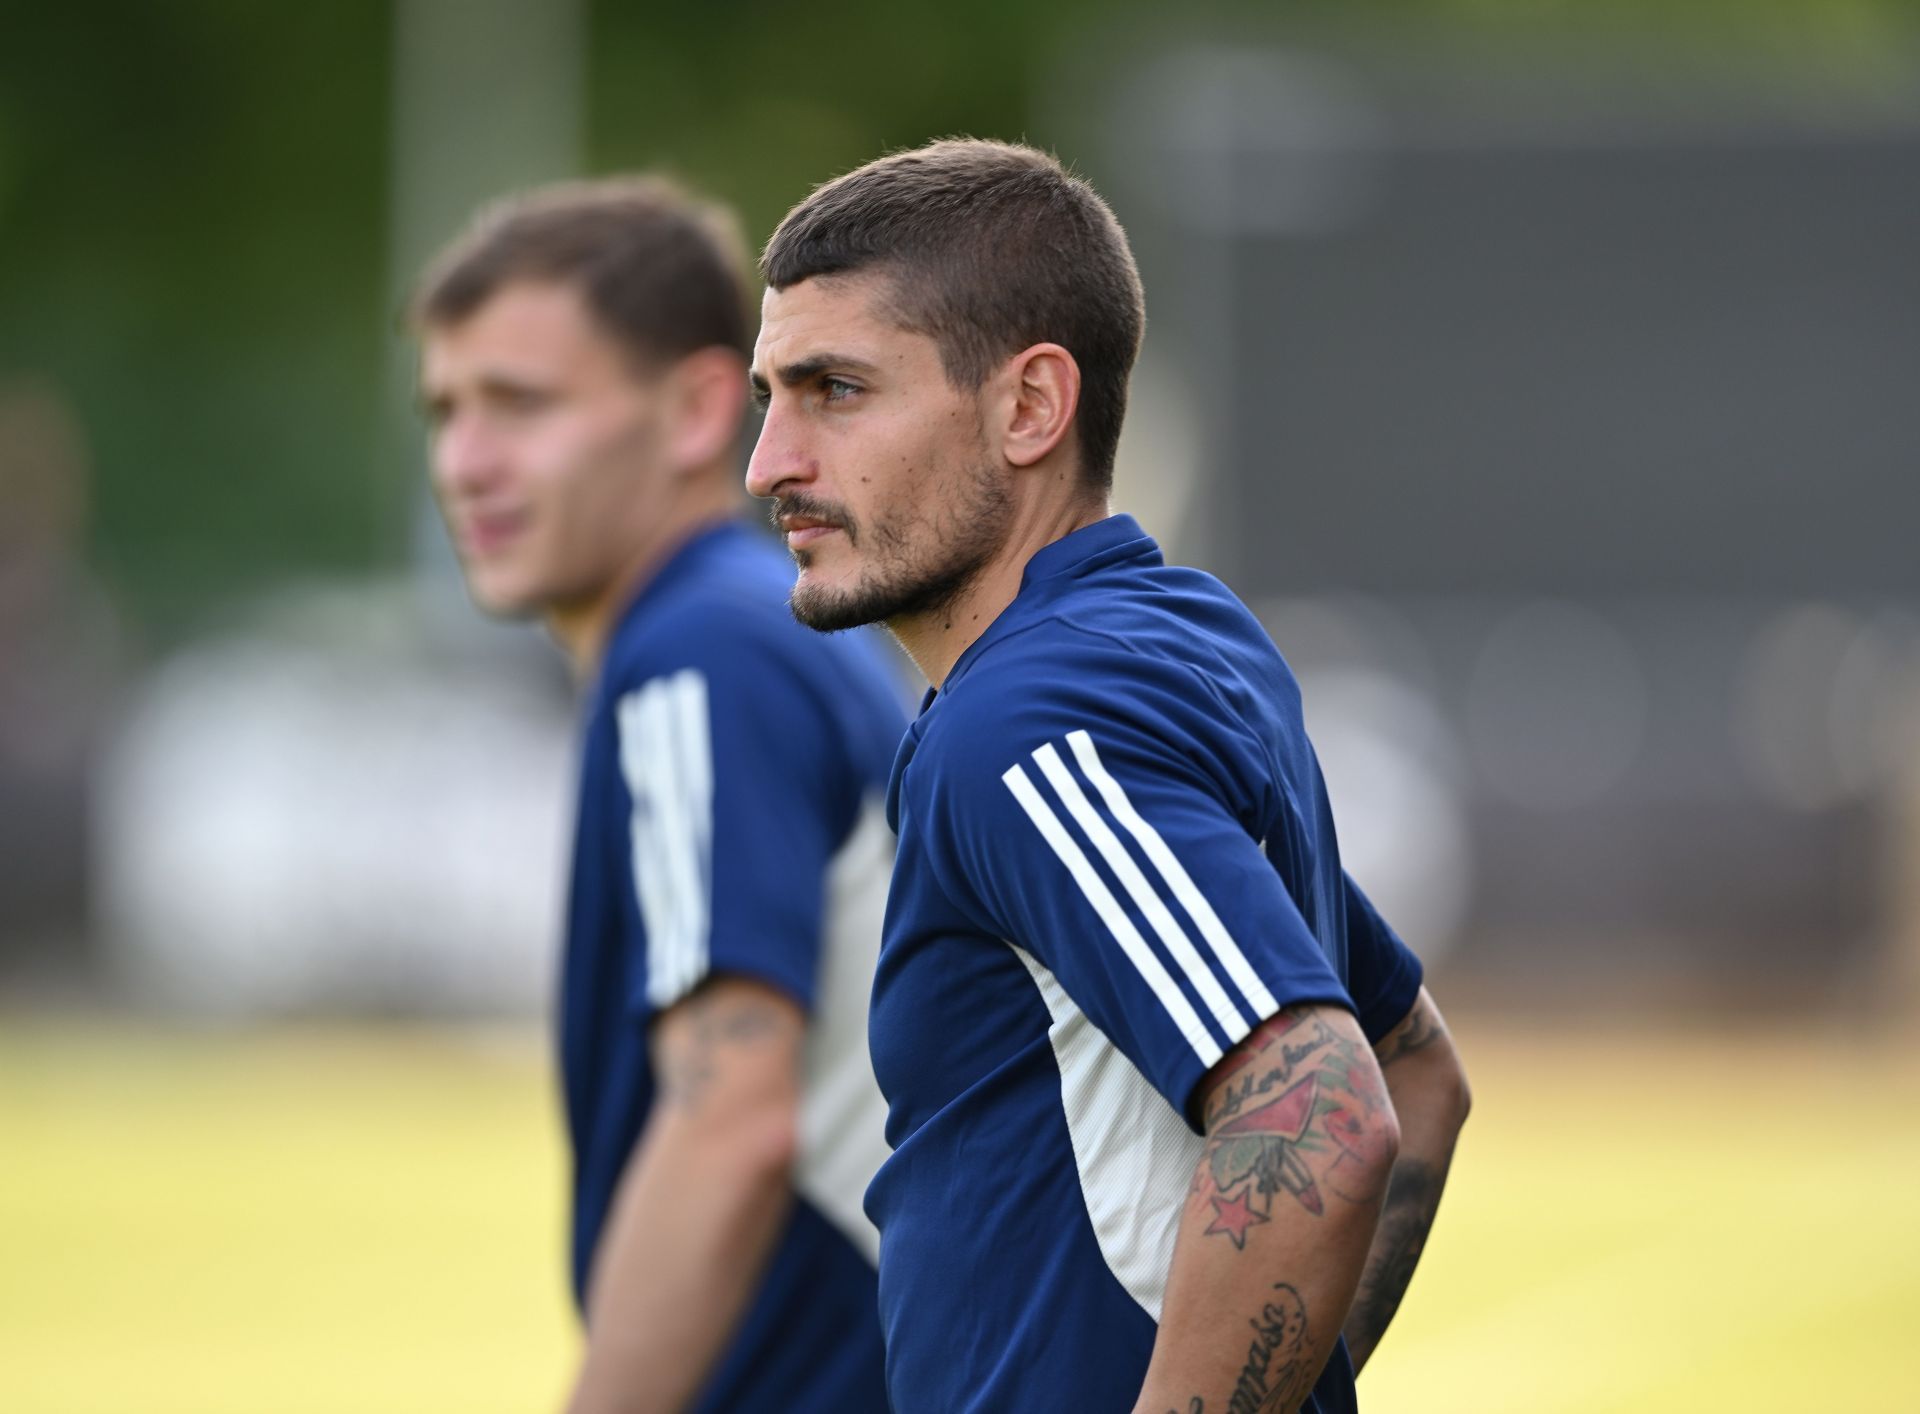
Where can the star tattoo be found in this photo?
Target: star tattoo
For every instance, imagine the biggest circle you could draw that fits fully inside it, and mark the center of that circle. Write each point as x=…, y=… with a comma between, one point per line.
x=1233, y=1217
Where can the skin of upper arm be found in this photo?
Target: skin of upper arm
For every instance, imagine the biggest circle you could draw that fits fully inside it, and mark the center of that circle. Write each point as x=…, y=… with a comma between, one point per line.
x=1419, y=1052
x=1428, y=1088
x=1300, y=1140
x=1303, y=1086
x=727, y=1071
x=700, y=1201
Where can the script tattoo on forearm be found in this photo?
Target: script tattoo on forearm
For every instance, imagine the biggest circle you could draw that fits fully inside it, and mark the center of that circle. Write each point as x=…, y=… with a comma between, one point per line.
x=1297, y=1118
x=686, y=1071
x=1279, y=1371
x=1413, y=1199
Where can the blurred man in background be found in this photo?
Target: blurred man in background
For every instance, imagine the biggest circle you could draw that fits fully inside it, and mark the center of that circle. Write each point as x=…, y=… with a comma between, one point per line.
x=583, y=369
x=1155, y=1066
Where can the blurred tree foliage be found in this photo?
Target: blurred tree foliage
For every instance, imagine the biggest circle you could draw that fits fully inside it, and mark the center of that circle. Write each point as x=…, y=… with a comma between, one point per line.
x=193, y=207
x=191, y=240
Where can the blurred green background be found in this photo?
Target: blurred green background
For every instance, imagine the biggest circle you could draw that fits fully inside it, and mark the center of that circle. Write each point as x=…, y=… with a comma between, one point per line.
x=280, y=821
x=196, y=199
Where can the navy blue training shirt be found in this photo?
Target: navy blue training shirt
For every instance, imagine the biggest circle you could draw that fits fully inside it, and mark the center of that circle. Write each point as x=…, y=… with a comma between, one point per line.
x=1116, y=858
x=731, y=820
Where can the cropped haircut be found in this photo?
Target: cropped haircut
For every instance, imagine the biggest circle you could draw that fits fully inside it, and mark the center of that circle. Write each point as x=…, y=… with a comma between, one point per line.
x=661, y=271
x=989, y=248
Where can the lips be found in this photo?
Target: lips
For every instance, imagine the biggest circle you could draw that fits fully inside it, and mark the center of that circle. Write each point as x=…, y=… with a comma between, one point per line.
x=800, y=537
x=805, y=530
x=486, y=534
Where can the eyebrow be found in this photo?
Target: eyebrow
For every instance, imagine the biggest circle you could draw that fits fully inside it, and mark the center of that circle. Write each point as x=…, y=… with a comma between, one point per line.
x=792, y=375
x=429, y=398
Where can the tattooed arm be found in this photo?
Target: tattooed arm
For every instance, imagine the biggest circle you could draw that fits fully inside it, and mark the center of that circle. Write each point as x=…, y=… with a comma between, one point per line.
x=702, y=1200
x=1428, y=1088
x=1300, y=1139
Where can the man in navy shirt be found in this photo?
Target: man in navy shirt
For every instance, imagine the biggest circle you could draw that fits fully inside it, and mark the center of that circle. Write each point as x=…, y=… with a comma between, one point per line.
x=584, y=371
x=1169, y=1108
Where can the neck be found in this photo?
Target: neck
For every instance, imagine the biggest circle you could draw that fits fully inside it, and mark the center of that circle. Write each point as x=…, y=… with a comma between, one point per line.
x=582, y=626
x=936, y=640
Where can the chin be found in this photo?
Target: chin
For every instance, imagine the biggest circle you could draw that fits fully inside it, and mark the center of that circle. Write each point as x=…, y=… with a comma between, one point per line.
x=502, y=601
x=828, y=608
x=810, y=583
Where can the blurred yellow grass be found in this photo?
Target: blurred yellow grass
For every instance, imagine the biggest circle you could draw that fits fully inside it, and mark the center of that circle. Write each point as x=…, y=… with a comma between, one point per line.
x=371, y=1220
x=279, y=1221
x=1664, y=1222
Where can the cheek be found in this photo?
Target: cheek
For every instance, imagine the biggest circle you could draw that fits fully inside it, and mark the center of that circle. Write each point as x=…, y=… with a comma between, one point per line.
x=899, y=473
x=891, y=513
x=579, y=480
x=548, y=499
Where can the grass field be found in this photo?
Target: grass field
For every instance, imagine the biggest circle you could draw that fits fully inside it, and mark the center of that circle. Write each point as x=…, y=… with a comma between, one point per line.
x=347, y=1221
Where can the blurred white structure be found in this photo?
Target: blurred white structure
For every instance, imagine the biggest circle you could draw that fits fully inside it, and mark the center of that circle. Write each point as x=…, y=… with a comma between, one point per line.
x=1397, y=773
x=1394, y=778
x=326, y=812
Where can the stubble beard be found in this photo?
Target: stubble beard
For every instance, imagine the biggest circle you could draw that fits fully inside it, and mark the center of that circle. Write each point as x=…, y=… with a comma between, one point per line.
x=959, y=539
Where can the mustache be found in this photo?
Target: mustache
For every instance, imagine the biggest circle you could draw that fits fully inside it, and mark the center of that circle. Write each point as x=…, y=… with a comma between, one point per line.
x=798, y=503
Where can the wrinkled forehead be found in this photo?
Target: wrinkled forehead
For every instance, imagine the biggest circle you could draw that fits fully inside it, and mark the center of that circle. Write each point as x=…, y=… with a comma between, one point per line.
x=826, y=312
x=821, y=304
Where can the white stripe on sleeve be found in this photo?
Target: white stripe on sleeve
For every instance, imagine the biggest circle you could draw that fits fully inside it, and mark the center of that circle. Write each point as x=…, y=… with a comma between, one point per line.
x=1185, y=1018
x=653, y=881
x=673, y=975
x=1211, y=928
x=1144, y=896
x=666, y=757
x=693, y=739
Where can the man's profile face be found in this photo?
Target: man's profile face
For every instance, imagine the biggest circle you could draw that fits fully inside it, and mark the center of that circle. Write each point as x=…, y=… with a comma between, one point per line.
x=889, y=497
x=544, y=448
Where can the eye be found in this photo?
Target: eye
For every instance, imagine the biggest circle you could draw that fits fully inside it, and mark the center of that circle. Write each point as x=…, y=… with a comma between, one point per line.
x=838, y=389
x=517, y=401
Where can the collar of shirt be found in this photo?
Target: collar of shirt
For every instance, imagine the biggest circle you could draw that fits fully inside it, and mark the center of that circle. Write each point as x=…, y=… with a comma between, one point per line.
x=683, y=557
x=697, y=545
x=1053, y=571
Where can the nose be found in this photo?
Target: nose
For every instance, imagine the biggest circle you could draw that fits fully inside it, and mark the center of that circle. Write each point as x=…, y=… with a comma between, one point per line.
x=779, y=459
x=464, y=458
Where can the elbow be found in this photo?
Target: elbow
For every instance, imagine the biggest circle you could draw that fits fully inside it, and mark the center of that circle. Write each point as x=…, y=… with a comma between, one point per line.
x=1459, y=1092
x=777, y=1147
x=1387, y=1140
x=1374, y=1143
x=764, y=1146
x=752, y=1150
x=1436, y=1091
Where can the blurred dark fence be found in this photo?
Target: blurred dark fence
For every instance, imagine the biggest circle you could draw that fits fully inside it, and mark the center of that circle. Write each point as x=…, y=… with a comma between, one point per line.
x=1588, y=418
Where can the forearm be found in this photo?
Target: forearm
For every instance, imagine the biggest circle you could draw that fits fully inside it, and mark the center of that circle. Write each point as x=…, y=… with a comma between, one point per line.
x=1277, y=1223
x=705, y=1196
x=1430, y=1098
x=691, y=1237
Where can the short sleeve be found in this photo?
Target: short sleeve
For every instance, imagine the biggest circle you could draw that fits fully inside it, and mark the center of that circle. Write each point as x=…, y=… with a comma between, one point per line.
x=1383, y=974
x=1096, y=827
x=731, y=828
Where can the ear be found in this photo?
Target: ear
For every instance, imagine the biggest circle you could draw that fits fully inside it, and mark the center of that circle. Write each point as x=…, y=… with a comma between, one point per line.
x=706, y=398
x=1044, y=386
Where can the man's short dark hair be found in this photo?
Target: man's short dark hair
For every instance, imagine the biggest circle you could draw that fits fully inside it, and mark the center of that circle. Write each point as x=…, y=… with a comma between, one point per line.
x=662, y=271
x=990, y=248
